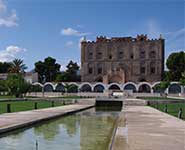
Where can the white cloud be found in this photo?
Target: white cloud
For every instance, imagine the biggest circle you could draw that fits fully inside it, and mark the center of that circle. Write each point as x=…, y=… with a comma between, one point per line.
x=2, y=6
x=7, y=19
x=10, y=53
x=153, y=29
x=179, y=34
x=73, y=32
x=69, y=43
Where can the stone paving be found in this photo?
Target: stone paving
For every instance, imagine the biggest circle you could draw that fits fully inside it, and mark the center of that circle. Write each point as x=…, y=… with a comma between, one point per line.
x=11, y=121
x=145, y=128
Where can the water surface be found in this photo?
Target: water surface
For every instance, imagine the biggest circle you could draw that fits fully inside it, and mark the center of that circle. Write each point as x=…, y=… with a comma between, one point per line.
x=87, y=130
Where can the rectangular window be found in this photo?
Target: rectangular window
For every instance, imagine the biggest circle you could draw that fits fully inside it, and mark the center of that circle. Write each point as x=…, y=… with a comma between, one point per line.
x=90, y=70
x=142, y=54
x=99, y=70
x=120, y=55
x=90, y=56
x=131, y=56
x=152, y=70
x=142, y=70
x=152, y=54
x=99, y=55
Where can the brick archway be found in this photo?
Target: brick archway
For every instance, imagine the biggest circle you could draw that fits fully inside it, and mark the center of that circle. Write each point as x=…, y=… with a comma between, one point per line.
x=116, y=76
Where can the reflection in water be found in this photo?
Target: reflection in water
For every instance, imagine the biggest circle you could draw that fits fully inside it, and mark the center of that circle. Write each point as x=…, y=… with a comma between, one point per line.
x=87, y=130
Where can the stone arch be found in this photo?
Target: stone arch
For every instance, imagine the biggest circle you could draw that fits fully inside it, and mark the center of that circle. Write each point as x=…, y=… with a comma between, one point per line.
x=174, y=88
x=156, y=90
x=36, y=87
x=99, y=87
x=114, y=86
x=73, y=88
x=115, y=79
x=85, y=87
x=49, y=87
x=99, y=79
x=37, y=84
x=60, y=87
x=130, y=86
x=144, y=87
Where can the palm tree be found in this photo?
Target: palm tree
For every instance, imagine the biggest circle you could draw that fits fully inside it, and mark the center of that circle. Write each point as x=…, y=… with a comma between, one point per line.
x=17, y=66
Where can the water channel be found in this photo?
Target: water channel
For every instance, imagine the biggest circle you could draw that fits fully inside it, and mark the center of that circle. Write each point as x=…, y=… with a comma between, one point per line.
x=87, y=130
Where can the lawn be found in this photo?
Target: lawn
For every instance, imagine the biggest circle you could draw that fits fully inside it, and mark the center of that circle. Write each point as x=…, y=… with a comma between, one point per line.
x=6, y=97
x=26, y=105
x=157, y=98
x=172, y=109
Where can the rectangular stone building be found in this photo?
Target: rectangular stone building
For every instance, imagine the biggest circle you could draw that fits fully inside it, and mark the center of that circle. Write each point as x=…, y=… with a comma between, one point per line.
x=122, y=59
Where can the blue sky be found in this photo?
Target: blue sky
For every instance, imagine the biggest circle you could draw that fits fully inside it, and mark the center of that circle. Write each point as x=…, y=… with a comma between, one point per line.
x=34, y=29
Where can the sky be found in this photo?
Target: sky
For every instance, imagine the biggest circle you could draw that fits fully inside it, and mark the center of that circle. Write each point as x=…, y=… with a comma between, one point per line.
x=35, y=29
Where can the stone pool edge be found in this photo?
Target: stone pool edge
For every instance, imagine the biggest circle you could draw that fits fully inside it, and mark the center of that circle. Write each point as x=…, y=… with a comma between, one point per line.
x=13, y=127
x=119, y=139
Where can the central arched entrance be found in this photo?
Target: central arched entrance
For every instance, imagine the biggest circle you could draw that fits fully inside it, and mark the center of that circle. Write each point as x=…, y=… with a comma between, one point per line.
x=115, y=79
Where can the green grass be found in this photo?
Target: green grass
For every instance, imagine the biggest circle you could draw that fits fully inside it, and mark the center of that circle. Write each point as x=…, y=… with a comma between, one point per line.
x=6, y=97
x=26, y=105
x=173, y=109
x=157, y=98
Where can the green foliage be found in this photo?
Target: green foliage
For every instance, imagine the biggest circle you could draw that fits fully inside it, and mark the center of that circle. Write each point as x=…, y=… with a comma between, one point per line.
x=162, y=86
x=182, y=82
x=167, y=76
x=176, y=65
x=17, y=66
x=72, y=71
x=16, y=85
x=72, y=89
x=2, y=86
x=35, y=88
x=70, y=75
x=4, y=67
x=47, y=70
x=63, y=77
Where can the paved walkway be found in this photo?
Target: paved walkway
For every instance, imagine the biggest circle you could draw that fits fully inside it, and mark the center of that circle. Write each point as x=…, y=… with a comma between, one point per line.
x=11, y=121
x=145, y=128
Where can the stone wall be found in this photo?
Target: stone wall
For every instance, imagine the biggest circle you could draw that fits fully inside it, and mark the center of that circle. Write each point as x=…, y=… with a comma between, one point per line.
x=122, y=59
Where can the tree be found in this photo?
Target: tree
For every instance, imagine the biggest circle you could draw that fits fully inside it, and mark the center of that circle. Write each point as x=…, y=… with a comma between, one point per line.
x=47, y=70
x=176, y=65
x=17, y=66
x=72, y=71
x=182, y=81
x=4, y=67
x=2, y=87
x=62, y=77
x=162, y=86
x=16, y=85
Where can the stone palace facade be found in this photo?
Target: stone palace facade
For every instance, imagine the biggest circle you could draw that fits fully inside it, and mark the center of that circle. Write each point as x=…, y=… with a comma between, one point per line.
x=122, y=59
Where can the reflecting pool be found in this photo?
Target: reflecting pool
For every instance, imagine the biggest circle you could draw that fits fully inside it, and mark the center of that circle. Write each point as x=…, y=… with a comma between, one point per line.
x=88, y=130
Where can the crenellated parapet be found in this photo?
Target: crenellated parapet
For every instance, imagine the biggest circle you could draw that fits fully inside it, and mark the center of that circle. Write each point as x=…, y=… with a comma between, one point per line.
x=138, y=38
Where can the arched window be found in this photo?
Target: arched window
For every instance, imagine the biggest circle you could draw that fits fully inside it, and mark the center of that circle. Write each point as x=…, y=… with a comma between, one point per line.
x=142, y=68
x=90, y=55
x=90, y=69
x=120, y=54
x=142, y=54
x=99, y=69
x=99, y=55
x=99, y=88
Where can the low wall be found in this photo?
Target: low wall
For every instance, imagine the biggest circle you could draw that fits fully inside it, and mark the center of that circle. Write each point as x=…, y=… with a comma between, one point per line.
x=59, y=94
x=146, y=94
x=95, y=94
